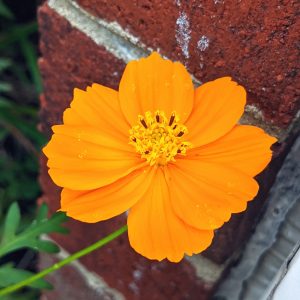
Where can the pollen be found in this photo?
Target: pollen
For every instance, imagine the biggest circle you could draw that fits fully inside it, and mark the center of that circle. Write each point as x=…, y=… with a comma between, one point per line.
x=159, y=139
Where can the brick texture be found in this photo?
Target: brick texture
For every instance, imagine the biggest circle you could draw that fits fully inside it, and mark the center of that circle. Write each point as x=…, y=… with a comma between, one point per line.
x=70, y=59
x=72, y=284
x=255, y=42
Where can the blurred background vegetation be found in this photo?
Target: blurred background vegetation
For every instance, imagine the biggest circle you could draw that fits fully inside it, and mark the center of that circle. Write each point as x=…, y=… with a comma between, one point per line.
x=20, y=143
x=20, y=85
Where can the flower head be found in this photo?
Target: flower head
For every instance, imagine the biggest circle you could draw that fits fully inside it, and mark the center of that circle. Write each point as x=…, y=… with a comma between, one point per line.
x=172, y=156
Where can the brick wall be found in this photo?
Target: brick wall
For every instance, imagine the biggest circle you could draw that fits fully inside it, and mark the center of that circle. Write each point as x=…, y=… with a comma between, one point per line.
x=89, y=41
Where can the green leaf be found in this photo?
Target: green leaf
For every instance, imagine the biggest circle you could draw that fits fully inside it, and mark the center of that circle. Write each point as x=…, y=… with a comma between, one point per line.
x=5, y=11
x=11, y=224
x=5, y=87
x=42, y=213
x=47, y=246
x=10, y=275
x=4, y=63
x=24, y=120
x=3, y=133
x=30, y=236
x=16, y=33
x=31, y=59
x=4, y=103
x=31, y=294
x=22, y=110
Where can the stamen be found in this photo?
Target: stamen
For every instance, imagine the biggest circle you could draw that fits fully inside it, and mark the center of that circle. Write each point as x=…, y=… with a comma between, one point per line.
x=143, y=123
x=158, y=139
x=172, y=119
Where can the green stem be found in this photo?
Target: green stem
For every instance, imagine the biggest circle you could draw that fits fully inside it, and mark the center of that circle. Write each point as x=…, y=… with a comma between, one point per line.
x=65, y=261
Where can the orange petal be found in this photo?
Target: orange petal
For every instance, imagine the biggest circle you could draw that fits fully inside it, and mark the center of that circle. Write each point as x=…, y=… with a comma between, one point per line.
x=83, y=157
x=246, y=148
x=98, y=107
x=153, y=83
x=219, y=104
x=156, y=232
x=108, y=201
x=194, y=203
x=204, y=195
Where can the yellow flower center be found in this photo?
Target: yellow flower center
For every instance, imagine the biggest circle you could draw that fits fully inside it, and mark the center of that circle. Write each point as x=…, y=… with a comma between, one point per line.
x=159, y=139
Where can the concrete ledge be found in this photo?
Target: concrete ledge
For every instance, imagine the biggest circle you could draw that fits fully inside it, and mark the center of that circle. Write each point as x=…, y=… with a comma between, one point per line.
x=108, y=35
x=275, y=239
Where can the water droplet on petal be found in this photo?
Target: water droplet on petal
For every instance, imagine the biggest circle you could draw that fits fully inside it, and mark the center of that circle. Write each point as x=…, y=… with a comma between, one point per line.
x=79, y=134
x=82, y=154
x=230, y=184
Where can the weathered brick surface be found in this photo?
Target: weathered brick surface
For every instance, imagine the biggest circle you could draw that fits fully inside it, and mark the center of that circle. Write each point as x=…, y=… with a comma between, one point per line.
x=70, y=59
x=72, y=284
x=256, y=42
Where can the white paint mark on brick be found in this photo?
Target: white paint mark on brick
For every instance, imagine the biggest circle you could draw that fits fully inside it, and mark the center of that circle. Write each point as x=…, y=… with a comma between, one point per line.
x=137, y=274
x=203, y=43
x=206, y=270
x=178, y=3
x=183, y=33
x=257, y=113
x=133, y=286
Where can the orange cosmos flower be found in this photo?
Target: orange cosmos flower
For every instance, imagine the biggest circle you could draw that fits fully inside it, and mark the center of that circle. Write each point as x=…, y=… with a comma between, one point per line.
x=170, y=155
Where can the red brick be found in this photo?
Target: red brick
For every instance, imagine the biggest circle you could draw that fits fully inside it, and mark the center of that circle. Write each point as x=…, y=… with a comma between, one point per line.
x=255, y=42
x=70, y=284
x=69, y=60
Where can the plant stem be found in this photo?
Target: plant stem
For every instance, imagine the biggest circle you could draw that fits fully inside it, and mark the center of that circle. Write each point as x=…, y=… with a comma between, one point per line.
x=65, y=261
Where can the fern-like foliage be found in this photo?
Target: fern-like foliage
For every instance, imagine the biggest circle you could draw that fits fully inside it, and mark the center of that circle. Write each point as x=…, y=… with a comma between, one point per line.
x=14, y=238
